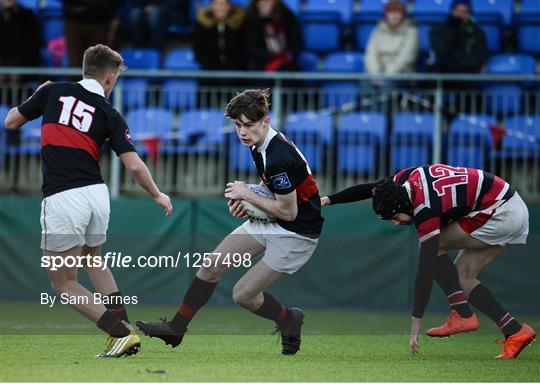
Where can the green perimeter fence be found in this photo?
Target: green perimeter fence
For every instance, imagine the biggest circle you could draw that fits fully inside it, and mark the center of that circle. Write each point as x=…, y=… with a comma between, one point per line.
x=360, y=263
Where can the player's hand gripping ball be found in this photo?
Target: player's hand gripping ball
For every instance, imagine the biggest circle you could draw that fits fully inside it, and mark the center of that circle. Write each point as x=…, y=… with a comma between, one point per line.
x=254, y=212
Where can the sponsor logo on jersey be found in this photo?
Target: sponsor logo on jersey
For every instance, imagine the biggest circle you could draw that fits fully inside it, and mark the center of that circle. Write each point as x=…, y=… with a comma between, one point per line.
x=281, y=181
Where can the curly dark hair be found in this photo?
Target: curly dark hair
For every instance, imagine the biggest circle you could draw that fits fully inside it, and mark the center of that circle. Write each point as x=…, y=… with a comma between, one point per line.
x=252, y=103
x=390, y=198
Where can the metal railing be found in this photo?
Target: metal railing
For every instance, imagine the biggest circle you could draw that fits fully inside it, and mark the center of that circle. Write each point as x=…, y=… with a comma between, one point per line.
x=349, y=129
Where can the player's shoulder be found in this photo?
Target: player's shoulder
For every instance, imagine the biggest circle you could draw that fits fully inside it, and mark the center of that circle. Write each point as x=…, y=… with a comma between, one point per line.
x=281, y=152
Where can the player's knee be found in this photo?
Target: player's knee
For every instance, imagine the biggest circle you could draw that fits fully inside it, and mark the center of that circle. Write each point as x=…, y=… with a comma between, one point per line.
x=241, y=297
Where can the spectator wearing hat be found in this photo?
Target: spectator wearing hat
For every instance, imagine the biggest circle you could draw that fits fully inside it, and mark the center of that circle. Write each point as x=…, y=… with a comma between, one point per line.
x=393, y=45
x=459, y=44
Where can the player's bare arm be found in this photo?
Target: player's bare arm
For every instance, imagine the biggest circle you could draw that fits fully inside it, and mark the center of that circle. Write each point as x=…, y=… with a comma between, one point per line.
x=142, y=176
x=283, y=207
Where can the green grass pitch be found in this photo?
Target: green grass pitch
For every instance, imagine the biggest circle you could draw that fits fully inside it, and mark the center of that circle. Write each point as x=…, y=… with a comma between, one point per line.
x=230, y=344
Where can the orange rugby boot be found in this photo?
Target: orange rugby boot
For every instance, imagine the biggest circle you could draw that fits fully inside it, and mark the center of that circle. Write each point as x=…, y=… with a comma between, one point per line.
x=515, y=343
x=455, y=324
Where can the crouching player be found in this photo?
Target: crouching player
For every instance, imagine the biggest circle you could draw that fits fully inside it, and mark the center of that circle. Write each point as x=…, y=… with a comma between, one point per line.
x=287, y=244
x=454, y=208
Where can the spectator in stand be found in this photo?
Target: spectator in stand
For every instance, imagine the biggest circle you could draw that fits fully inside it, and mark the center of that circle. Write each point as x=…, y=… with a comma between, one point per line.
x=220, y=36
x=393, y=45
x=273, y=36
x=89, y=22
x=21, y=37
x=150, y=20
x=459, y=44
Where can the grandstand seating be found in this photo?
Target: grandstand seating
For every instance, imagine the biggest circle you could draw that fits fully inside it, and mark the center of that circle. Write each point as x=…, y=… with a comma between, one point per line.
x=506, y=98
x=412, y=139
x=148, y=123
x=470, y=141
x=504, y=8
x=522, y=137
x=337, y=93
x=360, y=140
x=311, y=132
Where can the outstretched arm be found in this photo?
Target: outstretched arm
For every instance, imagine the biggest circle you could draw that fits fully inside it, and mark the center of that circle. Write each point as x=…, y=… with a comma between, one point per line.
x=348, y=195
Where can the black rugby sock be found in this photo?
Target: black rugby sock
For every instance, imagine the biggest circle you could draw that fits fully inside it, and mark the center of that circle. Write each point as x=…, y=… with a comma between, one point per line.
x=197, y=295
x=447, y=277
x=112, y=325
x=116, y=305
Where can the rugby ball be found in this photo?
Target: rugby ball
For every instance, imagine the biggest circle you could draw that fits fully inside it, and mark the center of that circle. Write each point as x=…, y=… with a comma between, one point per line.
x=254, y=212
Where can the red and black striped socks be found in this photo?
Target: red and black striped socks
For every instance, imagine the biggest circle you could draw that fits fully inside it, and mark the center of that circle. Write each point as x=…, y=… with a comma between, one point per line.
x=271, y=309
x=483, y=299
x=197, y=295
x=447, y=277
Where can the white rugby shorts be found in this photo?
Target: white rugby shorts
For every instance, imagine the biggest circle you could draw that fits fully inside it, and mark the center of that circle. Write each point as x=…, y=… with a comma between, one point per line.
x=286, y=251
x=509, y=224
x=75, y=217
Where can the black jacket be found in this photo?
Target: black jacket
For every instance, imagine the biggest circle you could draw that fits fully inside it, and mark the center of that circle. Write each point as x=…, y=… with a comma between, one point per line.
x=21, y=37
x=458, y=47
x=220, y=47
x=91, y=11
x=258, y=52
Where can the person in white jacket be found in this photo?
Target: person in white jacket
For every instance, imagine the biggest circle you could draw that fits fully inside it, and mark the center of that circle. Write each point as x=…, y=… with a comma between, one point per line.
x=393, y=45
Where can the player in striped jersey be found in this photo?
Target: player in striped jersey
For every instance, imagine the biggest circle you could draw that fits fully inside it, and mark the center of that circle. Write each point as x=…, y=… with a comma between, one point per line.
x=453, y=208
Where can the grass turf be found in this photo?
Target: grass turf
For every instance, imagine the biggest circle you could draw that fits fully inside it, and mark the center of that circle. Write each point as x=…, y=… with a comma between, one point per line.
x=229, y=344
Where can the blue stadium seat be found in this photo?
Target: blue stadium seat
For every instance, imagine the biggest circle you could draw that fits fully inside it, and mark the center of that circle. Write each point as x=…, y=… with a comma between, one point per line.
x=321, y=31
x=360, y=138
x=373, y=6
x=337, y=93
x=529, y=7
x=30, y=139
x=506, y=98
x=240, y=159
x=363, y=25
x=344, y=62
x=51, y=8
x=201, y=130
x=33, y=5
x=311, y=132
x=141, y=58
x=470, y=141
x=134, y=92
x=493, y=27
x=528, y=33
x=180, y=93
x=504, y=8
x=511, y=64
x=52, y=29
x=146, y=123
x=343, y=7
x=412, y=139
x=181, y=59
x=431, y=6
x=522, y=138
x=308, y=61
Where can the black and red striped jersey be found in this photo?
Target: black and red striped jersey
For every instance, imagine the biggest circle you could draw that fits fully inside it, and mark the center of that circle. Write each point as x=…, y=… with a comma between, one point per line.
x=441, y=194
x=283, y=168
x=77, y=120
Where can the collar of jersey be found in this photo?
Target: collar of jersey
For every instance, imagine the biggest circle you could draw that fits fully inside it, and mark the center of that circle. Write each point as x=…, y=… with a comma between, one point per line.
x=93, y=86
x=269, y=136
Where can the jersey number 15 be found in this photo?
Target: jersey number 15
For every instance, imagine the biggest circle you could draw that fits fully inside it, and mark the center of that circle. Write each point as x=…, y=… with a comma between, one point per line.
x=76, y=112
